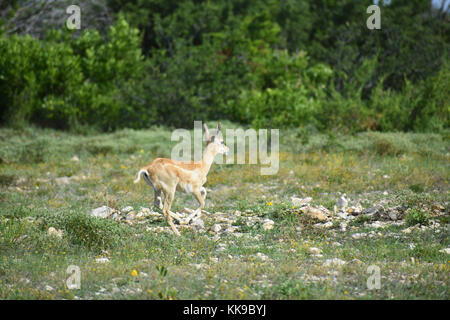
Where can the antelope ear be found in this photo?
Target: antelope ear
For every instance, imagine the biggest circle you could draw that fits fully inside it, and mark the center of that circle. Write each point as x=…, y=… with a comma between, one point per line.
x=206, y=132
x=218, y=128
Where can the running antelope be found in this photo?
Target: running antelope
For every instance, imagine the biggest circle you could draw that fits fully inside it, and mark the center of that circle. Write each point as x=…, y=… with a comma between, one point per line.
x=167, y=176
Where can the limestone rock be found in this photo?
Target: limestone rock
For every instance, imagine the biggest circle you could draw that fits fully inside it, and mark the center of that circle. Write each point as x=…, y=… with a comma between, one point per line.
x=299, y=202
x=55, y=232
x=102, y=212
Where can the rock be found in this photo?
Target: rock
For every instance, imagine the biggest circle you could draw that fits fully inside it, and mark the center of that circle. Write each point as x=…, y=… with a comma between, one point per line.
x=446, y=250
x=376, y=224
x=116, y=217
x=142, y=214
x=437, y=207
x=342, y=202
x=314, y=213
x=334, y=261
x=268, y=224
x=231, y=229
x=198, y=224
x=325, y=225
x=62, y=181
x=127, y=209
x=358, y=235
x=262, y=256
x=214, y=260
x=314, y=250
x=216, y=228
x=299, y=202
x=374, y=212
x=102, y=212
x=102, y=260
x=55, y=232
x=392, y=215
x=408, y=230
x=131, y=216
x=75, y=158
x=342, y=214
x=30, y=219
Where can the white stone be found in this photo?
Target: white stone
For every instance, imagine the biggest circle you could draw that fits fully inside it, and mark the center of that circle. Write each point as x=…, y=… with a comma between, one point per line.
x=446, y=250
x=342, y=202
x=62, y=180
x=268, y=224
x=299, y=202
x=216, y=228
x=55, y=232
x=198, y=224
x=358, y=235
x=262, y=256
x=326, y=225
x=102, y=212
x=127, y=209
x=102, y=260
x=314, y=250
x=334, y=261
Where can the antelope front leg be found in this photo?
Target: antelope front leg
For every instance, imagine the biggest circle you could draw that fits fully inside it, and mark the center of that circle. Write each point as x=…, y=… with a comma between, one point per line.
x=197, y=213
x=203, y=192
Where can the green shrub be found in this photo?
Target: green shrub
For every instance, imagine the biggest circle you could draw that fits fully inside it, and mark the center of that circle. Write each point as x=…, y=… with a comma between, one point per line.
x=94, y=233
x=64, y=81
x=10, y=232
x=417, y=216
x=34, y=151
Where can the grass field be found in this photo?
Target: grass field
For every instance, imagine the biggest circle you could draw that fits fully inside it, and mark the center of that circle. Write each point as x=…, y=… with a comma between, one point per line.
x=52, y=179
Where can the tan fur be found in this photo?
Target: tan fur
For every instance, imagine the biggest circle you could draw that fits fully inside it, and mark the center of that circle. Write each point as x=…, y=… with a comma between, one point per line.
x=167, y=176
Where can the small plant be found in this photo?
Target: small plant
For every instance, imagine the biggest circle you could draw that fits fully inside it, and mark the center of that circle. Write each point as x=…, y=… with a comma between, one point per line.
x=416, y=216
x=417, y=188
x=162, y=271
x=11, y=231
x=360, y=220
x=35, y=151
x=6, y=179
x=95, y=233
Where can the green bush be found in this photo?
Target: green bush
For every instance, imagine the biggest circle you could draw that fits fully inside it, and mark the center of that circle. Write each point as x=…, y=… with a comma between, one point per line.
x=95, y=234
x=63, y=81
x=417, y=216
x=265, y=63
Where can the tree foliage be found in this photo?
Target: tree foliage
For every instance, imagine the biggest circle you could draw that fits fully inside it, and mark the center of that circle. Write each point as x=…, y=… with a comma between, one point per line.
x=264, y=63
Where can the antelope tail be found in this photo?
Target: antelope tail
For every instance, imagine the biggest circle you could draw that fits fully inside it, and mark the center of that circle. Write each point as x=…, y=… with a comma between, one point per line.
x=146, y=177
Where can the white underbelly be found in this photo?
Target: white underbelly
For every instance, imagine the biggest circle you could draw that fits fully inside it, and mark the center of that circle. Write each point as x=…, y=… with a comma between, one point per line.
x=185, y=187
